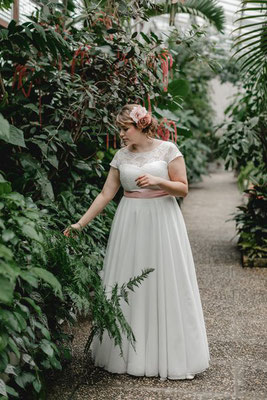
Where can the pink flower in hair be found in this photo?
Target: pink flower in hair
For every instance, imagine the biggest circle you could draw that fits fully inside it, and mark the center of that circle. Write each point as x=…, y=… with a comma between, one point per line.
x=140, y=116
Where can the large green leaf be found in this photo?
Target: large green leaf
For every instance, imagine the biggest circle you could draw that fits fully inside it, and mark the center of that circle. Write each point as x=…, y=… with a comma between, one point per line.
x=49, y=278
x=179, y=87
x=6, y=289
x=30, y=231
x=16, y=136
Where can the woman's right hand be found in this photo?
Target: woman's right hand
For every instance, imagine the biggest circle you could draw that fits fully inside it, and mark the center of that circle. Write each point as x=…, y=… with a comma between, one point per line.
x=73, y=226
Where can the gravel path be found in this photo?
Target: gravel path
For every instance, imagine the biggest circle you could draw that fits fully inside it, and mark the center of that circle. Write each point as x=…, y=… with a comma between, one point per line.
x=234, y=304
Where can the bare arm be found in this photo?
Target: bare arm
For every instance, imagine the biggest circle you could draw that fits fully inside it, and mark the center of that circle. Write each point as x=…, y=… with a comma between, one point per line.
x=177, y=186
x=108, y=192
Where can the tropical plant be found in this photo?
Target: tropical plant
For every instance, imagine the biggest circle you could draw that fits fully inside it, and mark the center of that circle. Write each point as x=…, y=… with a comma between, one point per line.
x=244, y=144
x=251, y=222
x=40, y=268
x=26, y=342
x=207, y=9
x=252, y=44
x=57, y=77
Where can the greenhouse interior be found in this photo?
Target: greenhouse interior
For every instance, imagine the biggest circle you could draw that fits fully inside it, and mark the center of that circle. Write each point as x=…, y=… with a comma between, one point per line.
x=133, y=199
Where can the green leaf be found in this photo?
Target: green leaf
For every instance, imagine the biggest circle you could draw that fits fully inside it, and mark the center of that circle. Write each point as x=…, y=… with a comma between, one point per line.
x=47, y=348
x=10, y=369
x=10, y=270
x=9, y=319
x=28, y=277
x=16, y=198
x=13, y=347
x=11, y=391
x=3, y=388
x=28, y=359
x=7, y=235
x=16, y=137
x=12, y=24
x=5, y=186
x=55, y=363
x=53, y=160
x=3, y=341
x=29, y=231
x=4, y=129
x=6, y=290
x=22, y=322
x=37, y=385
x=49, y=278
x=43, y=329
x=25, y=378
x=32, y=107
x=145, y=37
x=33, y=304
x=6, y=252
x=41, y=30
x=179, y=87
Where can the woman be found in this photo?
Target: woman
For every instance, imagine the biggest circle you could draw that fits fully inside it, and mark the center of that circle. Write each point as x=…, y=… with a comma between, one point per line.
x=148, y=231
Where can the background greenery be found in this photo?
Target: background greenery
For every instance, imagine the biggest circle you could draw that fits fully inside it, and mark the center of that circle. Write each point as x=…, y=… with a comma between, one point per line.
x=63, y=78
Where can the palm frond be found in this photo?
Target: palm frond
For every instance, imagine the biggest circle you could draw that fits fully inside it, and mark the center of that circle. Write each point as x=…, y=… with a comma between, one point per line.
x=252, y=43
x=206, y=9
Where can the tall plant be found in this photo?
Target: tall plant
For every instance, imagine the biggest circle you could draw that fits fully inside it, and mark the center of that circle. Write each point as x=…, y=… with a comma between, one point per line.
x=251, y=46
x=68, y=84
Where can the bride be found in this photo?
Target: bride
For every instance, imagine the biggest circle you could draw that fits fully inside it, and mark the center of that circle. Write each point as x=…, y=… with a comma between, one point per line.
x=148, y=231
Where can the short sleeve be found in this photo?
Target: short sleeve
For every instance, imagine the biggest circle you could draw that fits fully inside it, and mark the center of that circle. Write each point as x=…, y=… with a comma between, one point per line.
x=173, y=152
x=115, y=160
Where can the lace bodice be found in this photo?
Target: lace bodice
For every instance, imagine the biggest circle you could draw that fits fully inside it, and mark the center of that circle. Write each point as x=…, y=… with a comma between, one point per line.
x=155, y=162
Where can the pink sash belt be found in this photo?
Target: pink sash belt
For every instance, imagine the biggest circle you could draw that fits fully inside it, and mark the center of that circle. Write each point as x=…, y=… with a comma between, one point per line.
x=146, y=194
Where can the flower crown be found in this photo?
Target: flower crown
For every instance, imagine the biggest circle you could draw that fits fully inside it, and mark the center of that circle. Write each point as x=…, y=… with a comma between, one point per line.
x=140, y=116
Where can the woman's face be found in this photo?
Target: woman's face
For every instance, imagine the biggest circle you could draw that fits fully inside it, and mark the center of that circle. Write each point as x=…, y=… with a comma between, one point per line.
x=130, y=135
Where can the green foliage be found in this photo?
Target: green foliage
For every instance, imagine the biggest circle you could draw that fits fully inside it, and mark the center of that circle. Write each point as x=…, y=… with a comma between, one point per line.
x=243, y=144
x=68, y=84
x=252, y=42
x=207, y=9
x=40, y=268
x=240, y=144
x=247, y=174
x=251, y=222
x=5, y=4
x=25, y=337
x=194, y=65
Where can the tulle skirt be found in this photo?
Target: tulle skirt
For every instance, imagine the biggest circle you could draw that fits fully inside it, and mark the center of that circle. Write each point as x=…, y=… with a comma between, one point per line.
x=165, y=310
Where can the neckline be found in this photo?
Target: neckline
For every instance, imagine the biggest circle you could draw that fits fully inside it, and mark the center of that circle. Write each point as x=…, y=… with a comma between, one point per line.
x=149, y=151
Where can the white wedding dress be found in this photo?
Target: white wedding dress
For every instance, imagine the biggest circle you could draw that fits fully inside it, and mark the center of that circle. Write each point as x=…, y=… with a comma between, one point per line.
x=165, y=310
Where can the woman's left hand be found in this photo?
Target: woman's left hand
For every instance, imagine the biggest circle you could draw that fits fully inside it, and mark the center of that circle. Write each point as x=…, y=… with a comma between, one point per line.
x=147, y=180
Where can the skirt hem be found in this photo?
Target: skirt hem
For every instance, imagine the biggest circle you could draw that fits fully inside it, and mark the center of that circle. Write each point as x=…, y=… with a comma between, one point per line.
x=188, y=375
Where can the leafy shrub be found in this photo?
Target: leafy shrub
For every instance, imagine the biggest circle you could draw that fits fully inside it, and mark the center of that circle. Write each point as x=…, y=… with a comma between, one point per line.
x=251, y=222
x=26, y=343
x=40, y=268
x=240, y=144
